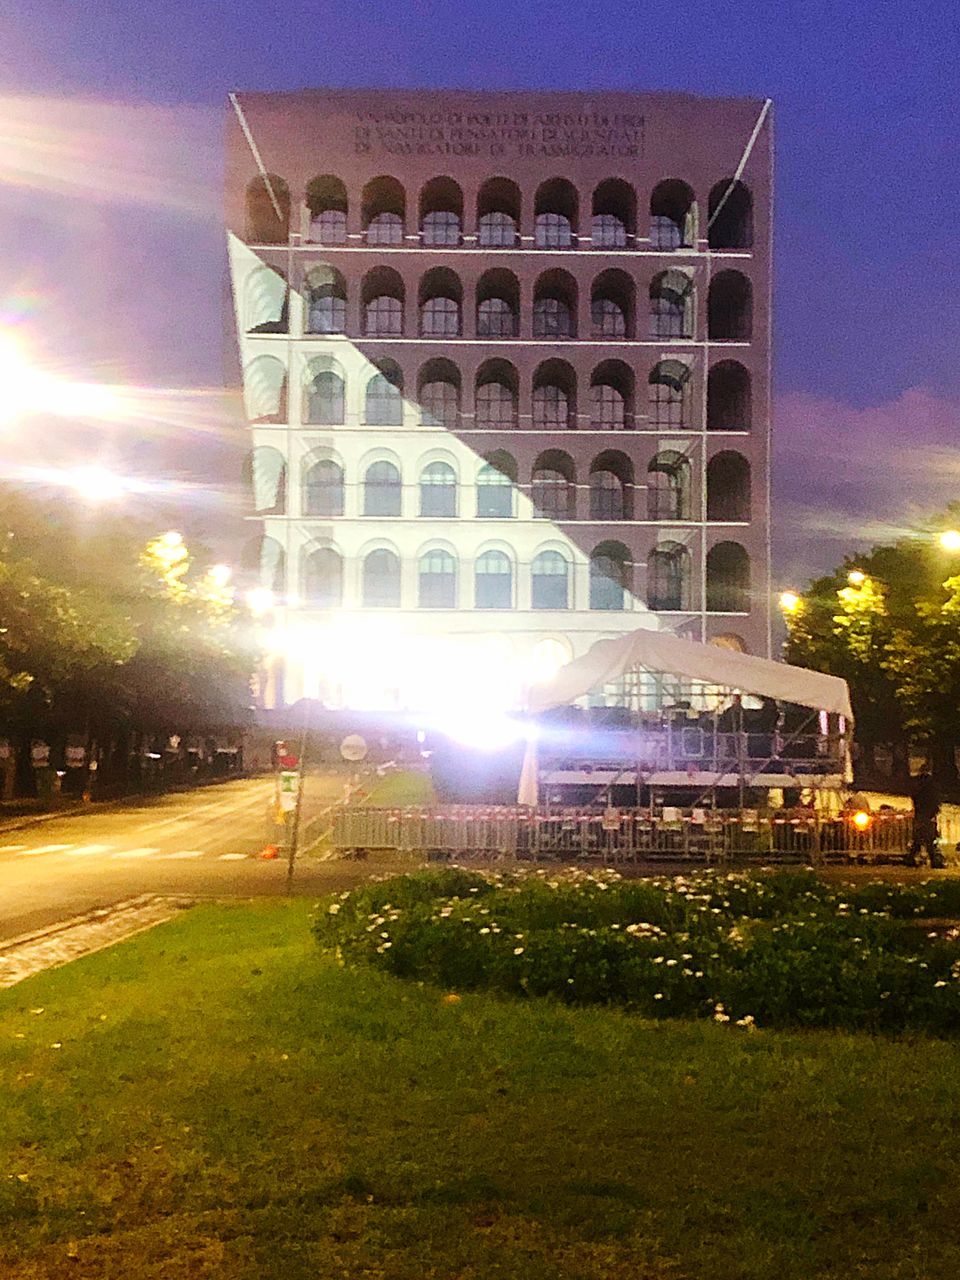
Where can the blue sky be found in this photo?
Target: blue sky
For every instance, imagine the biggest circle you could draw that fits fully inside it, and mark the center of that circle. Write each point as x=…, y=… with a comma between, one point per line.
x=867, y=184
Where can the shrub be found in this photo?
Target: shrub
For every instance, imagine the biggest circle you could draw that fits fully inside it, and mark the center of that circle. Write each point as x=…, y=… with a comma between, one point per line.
x=779, y=948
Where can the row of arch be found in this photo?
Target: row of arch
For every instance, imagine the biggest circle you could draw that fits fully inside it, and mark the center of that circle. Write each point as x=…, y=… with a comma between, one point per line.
x=671, y=305
x=610, y=403
x=668, y=578
x=607, y=218
x=612, y=489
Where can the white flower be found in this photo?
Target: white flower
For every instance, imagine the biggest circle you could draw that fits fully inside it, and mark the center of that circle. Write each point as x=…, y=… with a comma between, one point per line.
x=939, y=984
x=484, y=930
x=658, y=996
x=333, y=908
x=518, y=951
x=671, y=963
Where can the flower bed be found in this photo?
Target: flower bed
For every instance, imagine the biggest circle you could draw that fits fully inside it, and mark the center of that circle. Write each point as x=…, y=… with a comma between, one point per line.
x=769, y=949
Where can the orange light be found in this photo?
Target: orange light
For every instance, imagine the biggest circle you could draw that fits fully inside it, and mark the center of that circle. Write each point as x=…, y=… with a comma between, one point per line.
x=861, y=820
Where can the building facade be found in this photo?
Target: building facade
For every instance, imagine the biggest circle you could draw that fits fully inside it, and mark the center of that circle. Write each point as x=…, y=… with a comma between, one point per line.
x=506, y=364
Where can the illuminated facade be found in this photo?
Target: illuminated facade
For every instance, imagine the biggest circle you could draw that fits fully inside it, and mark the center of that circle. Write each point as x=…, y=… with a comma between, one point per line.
x=505, y=360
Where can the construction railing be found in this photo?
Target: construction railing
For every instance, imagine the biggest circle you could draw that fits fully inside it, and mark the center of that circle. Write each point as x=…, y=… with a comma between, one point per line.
x=627, y=835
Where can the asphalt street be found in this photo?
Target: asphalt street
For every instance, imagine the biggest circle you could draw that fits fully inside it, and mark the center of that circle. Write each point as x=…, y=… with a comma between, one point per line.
x=203, y=843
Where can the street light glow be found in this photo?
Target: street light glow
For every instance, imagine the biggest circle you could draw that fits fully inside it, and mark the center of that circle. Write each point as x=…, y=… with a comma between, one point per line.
x=950, y=540
x=789, y=601
x=856, y=577
x=219, y=574
x=96, y=484
x=260, y=601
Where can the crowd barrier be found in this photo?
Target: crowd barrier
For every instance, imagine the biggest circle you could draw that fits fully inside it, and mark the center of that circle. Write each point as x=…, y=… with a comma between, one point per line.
x=626, y=835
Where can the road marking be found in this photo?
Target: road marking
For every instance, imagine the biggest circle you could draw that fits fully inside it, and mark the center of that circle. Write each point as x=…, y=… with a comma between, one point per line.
x=184, y=853
x=135, y=853
x=11, y=848
x=231, y=857
x=82, y=850
x=45, y=848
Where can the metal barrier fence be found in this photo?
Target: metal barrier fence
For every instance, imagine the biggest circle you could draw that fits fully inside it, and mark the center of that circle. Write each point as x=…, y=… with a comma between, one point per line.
x=627, y=835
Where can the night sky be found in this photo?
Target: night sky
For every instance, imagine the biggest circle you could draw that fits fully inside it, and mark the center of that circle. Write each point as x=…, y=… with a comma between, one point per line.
x=111, y=246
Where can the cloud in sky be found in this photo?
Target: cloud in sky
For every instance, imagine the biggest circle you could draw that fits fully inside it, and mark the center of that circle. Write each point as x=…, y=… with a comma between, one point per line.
x=845, y=477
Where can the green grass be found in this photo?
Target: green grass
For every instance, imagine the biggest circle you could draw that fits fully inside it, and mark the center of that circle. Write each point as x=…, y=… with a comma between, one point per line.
x=400, y=790
x=228, y=1102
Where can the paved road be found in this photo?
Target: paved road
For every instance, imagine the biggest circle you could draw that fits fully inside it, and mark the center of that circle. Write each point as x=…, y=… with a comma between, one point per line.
x=199, y=843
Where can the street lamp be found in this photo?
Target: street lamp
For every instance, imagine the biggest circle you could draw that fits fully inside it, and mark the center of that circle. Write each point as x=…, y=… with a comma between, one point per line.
x=950, y=540
x=856, y=577
x=789, y=601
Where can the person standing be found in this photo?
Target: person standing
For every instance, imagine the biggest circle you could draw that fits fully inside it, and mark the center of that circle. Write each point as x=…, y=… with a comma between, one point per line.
x=926, y=810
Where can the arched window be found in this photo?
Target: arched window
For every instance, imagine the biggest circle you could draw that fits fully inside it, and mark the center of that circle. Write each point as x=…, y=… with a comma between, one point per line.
x=327, y=203
x=323, y=578
x=324, y=402
x=728, y=397
x=553, y=488
x=440, y=298
x=609, y=566
x=265, y=389
x=441, y=213
x=555, y=306
x=554, y=397
x=384, y=210
x=498, y=305
x=493, y=581
x=438, y=490
x=611, y=396
x=440, y=404
x=268, y=210
x=384, y=398
x=728, y=579
x=728, y=486
x=555, y=215
x=670, y=394
x=325, y=293
x=668, y=486
x=438, y=580
x=730, y=307
x=263, y=564
x=382, y=303
x=612, y=305
x=382, y=492
x=606, y=496
x=550, y=581
x=730, y=217
x=614, y=215
x=323, y=489
x=440, y=318
x=496, y=396
x=673, y=216
x=496, y=480
x=668, y=577
x=439, y=394
x=671, y=305
x=498, y=214
x=265, y=302
x=611, y=486
x=265, y=479
x=381, y=580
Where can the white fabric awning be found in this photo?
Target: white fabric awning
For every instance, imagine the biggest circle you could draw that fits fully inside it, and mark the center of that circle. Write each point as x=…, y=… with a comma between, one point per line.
x=662, y=652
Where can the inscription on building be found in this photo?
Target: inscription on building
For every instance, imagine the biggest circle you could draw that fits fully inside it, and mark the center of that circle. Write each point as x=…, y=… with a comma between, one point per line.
x=494, y=134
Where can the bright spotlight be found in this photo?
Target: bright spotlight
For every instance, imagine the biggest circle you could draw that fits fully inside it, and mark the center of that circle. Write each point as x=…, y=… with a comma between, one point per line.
x=172, y=539
x=482, y=731
x=861, y=820
x=260, y=601
x=789, y=601
x=18, y=382
x=856, y=577
x=95, y=484
x=219, y=574
x=950, y=540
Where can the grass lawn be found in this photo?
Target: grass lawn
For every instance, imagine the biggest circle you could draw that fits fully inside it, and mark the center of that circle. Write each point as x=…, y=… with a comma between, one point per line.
x=404, y=788
x=225, y=1101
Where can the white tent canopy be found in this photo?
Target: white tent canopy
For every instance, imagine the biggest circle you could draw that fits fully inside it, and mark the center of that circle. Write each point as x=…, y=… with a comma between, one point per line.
x=662, y=652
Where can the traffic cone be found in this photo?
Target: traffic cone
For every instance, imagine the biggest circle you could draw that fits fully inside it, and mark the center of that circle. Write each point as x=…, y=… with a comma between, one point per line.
x=270, y=851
